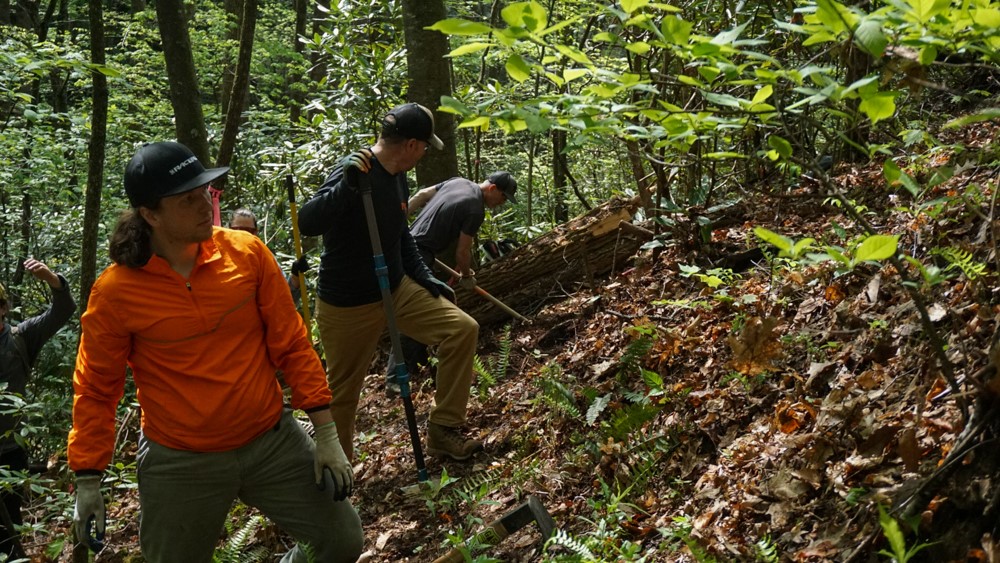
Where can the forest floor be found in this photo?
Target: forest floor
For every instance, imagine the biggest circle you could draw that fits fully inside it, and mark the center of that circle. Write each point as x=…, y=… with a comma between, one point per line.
x=780, y=407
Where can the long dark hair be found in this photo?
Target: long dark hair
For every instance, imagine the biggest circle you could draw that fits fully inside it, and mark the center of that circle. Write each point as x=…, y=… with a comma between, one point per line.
x=131, y=242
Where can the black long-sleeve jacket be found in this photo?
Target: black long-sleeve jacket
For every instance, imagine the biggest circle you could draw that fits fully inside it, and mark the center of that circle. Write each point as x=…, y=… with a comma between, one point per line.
x=347, y=276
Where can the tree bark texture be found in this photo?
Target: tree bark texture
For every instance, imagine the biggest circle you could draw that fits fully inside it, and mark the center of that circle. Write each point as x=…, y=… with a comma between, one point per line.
x=429, y=76
x=556, y=264
x=189, y=121
x=95, y=160
x=241, y=85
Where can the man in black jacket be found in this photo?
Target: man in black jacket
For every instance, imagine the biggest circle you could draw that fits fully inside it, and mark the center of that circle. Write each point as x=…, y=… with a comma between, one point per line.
x=19, y=348
x=349, y=310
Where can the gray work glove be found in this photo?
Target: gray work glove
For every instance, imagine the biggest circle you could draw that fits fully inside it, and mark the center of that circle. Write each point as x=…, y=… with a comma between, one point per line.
x=354, y=165
x=330, y=457
x=437, y=288
x=468, y=282
x=89, y=509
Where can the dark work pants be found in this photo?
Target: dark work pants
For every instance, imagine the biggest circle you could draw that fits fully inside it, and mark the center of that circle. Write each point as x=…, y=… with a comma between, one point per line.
x=15, y=460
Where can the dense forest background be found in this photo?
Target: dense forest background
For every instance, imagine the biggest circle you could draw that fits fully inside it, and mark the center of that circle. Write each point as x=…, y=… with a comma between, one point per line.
x=700, y=112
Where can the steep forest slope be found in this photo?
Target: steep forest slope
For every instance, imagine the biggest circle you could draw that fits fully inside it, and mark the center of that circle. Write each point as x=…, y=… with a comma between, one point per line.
x=712, y=402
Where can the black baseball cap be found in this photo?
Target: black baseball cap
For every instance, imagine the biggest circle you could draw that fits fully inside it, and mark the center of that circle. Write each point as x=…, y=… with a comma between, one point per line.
x=412, y=121
x=159, y=170
x=506, y=183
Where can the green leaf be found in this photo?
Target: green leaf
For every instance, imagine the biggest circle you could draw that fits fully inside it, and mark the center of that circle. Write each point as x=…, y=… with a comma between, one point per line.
x=878, y=106
x=783, y=243
x=458, y=26
x=107, y=71
x=762, y=94
x=638, y=47
x=892, y=533
x=836, y=16
x=469, y=48
x=482, y=122
x=631, y=6
x=528, y=15
x=675, y=30
x=571, y=74
x=870, y=37
x=987, y=114
x=574, y=54
x=517, y=68
x=781, y=145
x=451, y=105
x=877, y=247
x=729, y=36
x=927, y=9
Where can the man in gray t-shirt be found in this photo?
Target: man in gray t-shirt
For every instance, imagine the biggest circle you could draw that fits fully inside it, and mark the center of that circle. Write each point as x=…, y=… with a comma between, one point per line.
x=451, y=218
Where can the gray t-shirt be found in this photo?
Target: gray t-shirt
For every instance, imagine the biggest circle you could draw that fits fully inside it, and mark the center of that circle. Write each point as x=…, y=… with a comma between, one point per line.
x=456, y=208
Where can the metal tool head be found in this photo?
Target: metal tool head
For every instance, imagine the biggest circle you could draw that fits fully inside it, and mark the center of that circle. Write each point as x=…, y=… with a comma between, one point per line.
x=531, y=510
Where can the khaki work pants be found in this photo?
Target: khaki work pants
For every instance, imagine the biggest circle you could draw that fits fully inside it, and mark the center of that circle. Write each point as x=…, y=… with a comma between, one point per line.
x=350, y=336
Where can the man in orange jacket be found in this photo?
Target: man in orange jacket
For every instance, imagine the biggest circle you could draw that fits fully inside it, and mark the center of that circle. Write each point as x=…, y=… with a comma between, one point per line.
x=203, y=317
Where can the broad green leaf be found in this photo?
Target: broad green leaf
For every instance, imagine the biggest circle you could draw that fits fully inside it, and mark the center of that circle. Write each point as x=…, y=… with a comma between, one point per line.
x=782, y=242
x=451, y=105
x=675, y=30
x=924, y=10
x=877, y=247
x=601, y=91
x=729, y=36
x=517, y=68
x=781, y=145
x=870, y=37
x=482, y=122
x=928, y=54
x=469, y=48
x=638, y=47
x=987, y=114
x=762, y=94
x=571, y=74
x=31, y=115
x=878, y=106
x=896, y=177
x=458, y=26
x=801, y=246
x=574, y=54
x=528, y=15
x=987, y=18
x=835, y=16
x=605, y=37
x=565, y=23
x=107, y=71
x=631, y=6
x=721, y=99
x=891, y=531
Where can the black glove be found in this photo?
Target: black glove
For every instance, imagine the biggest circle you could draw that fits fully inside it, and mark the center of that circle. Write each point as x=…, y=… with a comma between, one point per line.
x=354, y=165
x=437, y=288
x=301, y=265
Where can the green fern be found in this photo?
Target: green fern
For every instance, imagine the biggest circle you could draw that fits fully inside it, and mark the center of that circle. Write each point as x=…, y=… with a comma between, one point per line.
x=234, y=549
x=628, y=420
x=766, y=550
x=577, y=546
x=959, y=259
x=491, y=371
x=559, y=397
x=631, y=361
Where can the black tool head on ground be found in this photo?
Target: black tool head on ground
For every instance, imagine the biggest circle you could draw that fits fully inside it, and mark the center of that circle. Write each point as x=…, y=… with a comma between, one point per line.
x=531, y=510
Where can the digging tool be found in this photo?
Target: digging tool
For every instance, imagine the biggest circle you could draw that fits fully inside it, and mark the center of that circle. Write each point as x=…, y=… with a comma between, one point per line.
x=484, y=293
x=402, y=375
x=531, y=510
x=294, y=210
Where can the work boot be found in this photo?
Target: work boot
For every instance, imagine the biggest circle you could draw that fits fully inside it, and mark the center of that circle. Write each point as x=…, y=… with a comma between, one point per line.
x=446, y=441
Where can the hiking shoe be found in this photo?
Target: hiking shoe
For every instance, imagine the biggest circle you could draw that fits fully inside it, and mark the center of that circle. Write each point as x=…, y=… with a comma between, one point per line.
x=446, y=441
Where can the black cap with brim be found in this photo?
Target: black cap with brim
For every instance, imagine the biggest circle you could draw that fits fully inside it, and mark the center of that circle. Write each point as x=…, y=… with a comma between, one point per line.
x=413, y=121
x=164, y=169
x=506, y=183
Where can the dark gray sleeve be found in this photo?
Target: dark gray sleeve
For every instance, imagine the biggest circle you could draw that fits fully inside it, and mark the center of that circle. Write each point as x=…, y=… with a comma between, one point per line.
x=39, y=329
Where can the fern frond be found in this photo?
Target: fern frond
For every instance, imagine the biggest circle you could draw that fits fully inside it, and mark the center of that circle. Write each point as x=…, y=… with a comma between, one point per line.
x=559, y=397
x=575, y=545
x=959, y=259
x=232, y=551
x=627, y=421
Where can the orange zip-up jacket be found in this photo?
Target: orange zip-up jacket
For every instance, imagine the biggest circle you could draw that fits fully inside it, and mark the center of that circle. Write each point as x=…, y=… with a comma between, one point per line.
x=203, y=352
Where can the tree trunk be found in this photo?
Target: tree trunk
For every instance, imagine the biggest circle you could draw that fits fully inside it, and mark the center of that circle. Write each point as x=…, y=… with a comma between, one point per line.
x=189, y=121
x=95, y=159
x=571, y=255
x=234, y=11
x=429, y=76
x=297, y=97
x=241, y=84
x=560, y=211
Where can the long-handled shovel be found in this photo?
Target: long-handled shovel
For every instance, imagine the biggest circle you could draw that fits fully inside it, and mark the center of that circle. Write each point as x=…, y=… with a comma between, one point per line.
x=303, y=292
x=402, y=376
x=484, y=293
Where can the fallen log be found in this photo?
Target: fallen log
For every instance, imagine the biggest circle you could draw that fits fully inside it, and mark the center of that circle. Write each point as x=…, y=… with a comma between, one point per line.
x=559, y=262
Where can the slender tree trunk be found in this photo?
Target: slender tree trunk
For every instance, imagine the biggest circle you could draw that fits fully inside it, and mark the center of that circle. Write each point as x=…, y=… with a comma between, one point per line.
x=234, y=10
x=95, y=159
x=297, y=97
x=429, y=76
x=241, y=84
x=189, y=121
x=560, y=211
